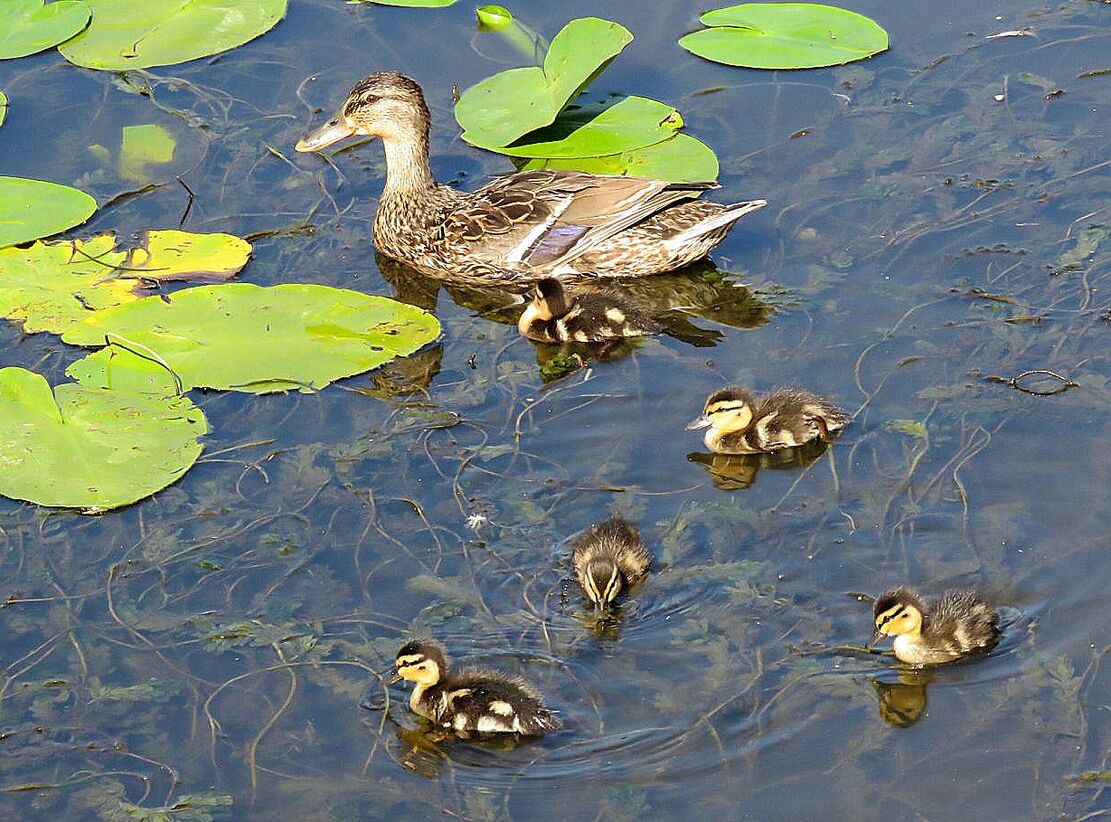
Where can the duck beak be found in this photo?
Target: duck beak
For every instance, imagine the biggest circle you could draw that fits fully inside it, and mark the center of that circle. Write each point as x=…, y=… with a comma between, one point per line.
x=394, y=679
x=700, y=422
x=331, y=132
x=877, y=637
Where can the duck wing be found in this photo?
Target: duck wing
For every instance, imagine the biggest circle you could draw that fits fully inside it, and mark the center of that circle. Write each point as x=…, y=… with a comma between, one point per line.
x=546, y=218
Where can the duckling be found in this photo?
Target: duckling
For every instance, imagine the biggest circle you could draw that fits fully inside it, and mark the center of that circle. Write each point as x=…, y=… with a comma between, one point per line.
x=473, y=700
x=956, y=625
x=741, y=423
x=554, y=315
x=608, y=559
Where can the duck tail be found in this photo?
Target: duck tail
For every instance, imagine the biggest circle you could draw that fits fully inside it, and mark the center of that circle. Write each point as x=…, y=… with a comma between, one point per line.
x=723, y=219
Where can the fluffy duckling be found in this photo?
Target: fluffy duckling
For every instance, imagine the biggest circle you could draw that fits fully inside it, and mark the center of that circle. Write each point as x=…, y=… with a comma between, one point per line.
x=608, y=559
x=956, y=625
x=473, y=700
x=740, y=423
x=554, y=315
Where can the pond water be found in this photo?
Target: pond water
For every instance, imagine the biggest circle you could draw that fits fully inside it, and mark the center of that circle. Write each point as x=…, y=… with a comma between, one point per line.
x=938, y=216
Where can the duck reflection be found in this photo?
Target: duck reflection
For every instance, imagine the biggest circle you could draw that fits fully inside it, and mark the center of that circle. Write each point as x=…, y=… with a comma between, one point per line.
x=665, y=302
x=731, y=472
x=903, y=702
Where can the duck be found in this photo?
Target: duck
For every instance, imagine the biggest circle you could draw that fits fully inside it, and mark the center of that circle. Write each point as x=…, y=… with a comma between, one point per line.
x=739, y=422
x=474, y=700
x=557, y=316
x=609, y=558
x=523, y=226
x=954, y=626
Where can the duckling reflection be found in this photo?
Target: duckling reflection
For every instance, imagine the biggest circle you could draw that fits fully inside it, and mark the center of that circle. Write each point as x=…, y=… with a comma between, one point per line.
x=428, y=751
x=732, y=472
x=903, y=702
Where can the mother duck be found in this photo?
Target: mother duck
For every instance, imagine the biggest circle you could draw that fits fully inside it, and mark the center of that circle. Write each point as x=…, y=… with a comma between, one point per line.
x=525, y=226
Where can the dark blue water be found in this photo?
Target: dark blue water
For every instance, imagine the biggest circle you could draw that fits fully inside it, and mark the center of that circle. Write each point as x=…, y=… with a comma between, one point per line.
x=212, y=642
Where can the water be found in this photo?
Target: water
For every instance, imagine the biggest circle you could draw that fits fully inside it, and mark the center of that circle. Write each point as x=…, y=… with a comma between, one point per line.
x=213, y=642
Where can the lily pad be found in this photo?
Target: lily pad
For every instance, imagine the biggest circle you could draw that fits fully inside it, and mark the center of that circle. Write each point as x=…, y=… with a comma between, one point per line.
x=126, y=366
x=144, y=145
x=244, y=337
x=785, y=36
x=30, y=26
x=51, y=286
x=30, y=209
x=598, y=129
x=679, y=159
x=130, y=34
x=502, y=108
x=79, y=447
x=3, y=107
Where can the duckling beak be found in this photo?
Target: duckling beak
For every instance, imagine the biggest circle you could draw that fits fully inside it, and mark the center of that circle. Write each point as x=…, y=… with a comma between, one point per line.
x=331, y=132
x=877, y=637
x=700, y=422
x=393, y=680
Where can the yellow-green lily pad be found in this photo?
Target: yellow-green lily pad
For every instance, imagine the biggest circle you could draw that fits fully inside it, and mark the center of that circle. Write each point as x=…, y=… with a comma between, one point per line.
x=599, y=129
x=679, y=159
x=244, y=337
x=30, y=209
x=29, y=26
x=502, y=108
x=51, y=286
x=131, y=34
x=90, y=448
x=3, y=107
x=785, y=36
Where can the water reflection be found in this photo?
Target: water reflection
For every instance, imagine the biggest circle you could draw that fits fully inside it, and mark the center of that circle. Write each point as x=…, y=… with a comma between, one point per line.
x=700, y=291
x=731, y=472
x=902, y=702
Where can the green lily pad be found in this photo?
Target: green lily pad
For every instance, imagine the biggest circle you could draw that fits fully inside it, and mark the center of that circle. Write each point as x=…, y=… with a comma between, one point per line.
x=30, y=209
x=502, y=108
x=130, y=34
x=29, y=26
x=679, y=159
x=785, y=36
x=144, y=145
x=52, y=286
x=243, y=337
x=126, y=366
x=598, y=129
x=3, y=107
x=79, y=447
